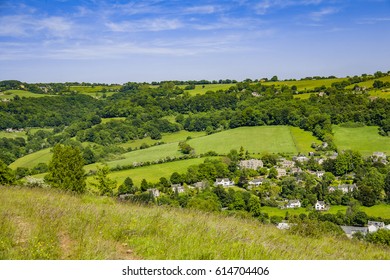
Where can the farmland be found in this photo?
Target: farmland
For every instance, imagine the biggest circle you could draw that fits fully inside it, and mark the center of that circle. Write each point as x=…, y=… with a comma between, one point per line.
x=10, y=94
x=152, y=173
x=366, y=139
x=31, y=160
x=263, y=139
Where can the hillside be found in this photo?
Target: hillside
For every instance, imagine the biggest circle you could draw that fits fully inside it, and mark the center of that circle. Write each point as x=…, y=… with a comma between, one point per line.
x=45, y=224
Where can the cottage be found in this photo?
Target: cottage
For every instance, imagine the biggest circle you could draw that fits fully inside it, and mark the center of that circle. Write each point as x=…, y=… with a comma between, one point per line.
x=200, y=185
x=225, y=182
x=345, y=188
x=177, y=188
x=295, y=170
x=283, y=225
x=251, y=164
x=255, y=182
x=154, y=192
x=287, y=163
x=374, y=226
x=319, y=174
x=321, y=206
x=281, y=172
x=293, y=204
x=301, y=158
x=350, y=231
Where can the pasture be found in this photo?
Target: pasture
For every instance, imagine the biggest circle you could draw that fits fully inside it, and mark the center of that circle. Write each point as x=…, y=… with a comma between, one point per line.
x=31, y=160
x=257, y=140
x=303, y=85
x=152, y=173
x=10, y=94
x=202, y=89
x=365, y=139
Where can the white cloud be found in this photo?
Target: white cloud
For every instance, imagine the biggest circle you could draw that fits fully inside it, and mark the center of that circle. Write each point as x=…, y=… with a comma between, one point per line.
x=154, y=24
x=264, y=6
x=206, y=9
x=319, y=15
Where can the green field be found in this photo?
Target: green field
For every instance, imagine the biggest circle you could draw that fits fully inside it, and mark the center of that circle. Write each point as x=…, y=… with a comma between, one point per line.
x=365, y=139
x=49, y=225
x=152, y=173
x=31, y=160
x=13, y=135
x=106, y=120
x=10, y=94
x=166, y=137
x=202, y=89
x=303, y=139
x=150, y=154
x=305, y=84
x=261, y=139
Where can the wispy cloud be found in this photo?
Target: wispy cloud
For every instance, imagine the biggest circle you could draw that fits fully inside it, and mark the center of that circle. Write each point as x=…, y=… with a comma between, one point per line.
x=319, y=15
x=264, y=6
x=152, y=24
x=205, y=9
x=373, y=20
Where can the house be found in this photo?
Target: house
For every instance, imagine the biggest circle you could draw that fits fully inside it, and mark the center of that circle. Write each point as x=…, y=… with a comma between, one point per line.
x=374, y=226
x=319, y=174
x=295, y=170
x=225, y=182
x=321, y=206
x=301, y=158
x=345, y=188
x=283, y=225
x=255, y=182
x=350, y=231
x=177, y=188
x=154, y=192
x=293, y=204
x=379, y=156
x=200, y=185
x=281, y=172
x=287, y=163
x=251, y=164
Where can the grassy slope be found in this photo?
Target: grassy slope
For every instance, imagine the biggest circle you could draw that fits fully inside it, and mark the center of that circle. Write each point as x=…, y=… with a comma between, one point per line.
x=306, y=84
x=31, y=160
x=44, y=224
x=9, y=94
x=364, y=139
x=202, y=89
x=273, y=139
x=152, y=173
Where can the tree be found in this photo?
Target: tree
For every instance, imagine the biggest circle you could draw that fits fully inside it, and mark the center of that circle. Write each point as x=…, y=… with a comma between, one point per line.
x=254, y=206
x=105, y=185
x=127, y=187
x=144, y=185
x=387, y=186
x=66, y=169
x=7, y=176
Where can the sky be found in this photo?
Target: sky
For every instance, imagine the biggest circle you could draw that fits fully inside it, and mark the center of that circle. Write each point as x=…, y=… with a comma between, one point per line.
x=120, y=41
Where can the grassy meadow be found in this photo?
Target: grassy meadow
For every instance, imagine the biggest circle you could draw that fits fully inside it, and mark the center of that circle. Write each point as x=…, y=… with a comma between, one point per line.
x=261, y=139
x=31, y=160
x=305, y=84
x=365, y=139
x=151, y=173
x=202, y=89
x=46, y=224
x=10, y=94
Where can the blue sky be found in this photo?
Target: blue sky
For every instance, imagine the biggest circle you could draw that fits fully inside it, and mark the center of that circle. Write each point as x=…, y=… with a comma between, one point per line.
x=120, y=41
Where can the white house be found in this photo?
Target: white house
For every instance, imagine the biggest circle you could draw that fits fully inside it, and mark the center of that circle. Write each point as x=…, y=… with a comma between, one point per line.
x=281, y=172
x=283, y=225
x=293, y=204
x=225, y=182
x=154, y=192
x=177, y=188
x=255, y=182
x=374, y=226
x=320, y=206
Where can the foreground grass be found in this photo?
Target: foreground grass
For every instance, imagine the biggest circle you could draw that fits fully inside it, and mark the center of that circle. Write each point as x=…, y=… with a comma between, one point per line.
x=365, y=139
x=45, y=224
